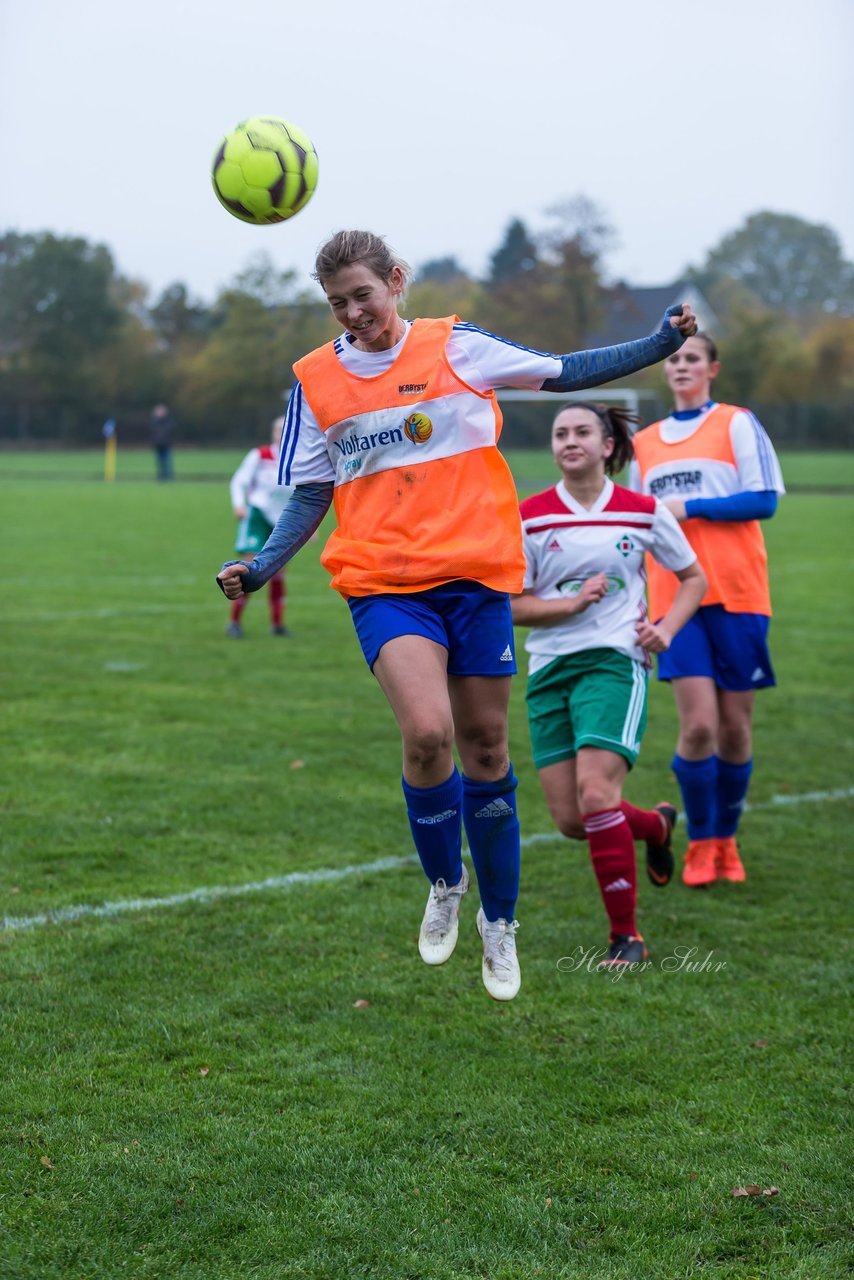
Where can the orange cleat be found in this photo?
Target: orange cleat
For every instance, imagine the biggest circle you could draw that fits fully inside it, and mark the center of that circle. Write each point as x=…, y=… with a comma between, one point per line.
x=727, y=861
x=700, y=863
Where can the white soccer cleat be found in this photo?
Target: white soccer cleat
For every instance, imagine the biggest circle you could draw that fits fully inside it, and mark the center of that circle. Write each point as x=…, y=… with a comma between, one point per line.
x=500, y=969
x=440, y=926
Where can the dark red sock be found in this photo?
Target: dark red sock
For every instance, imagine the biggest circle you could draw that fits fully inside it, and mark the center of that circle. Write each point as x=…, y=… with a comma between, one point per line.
x=237, y=607
x=645, y=824
x=612, y=851
x=277, y=599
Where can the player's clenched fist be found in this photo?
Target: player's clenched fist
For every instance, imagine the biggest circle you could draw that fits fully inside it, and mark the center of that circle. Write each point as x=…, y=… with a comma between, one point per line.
x=592, y=591
x=230, y=579
x=686, y=323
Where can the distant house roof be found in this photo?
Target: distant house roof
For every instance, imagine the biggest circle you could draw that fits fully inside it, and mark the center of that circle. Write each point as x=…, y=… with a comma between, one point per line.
x=634, y=312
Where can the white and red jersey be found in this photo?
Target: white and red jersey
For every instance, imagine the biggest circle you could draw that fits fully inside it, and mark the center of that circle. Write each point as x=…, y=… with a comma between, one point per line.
x=566, y=543
x=255, y=483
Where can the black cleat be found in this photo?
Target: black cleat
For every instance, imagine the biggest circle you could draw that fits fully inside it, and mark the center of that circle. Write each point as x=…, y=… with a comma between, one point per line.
x=624, y=949
x=280, y=630
x=659, y=857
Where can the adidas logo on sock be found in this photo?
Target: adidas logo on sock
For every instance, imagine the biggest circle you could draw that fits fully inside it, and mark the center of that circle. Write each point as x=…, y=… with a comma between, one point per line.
x=436, y=817
x=617, y=884
x=495, y=809
x=507, y=656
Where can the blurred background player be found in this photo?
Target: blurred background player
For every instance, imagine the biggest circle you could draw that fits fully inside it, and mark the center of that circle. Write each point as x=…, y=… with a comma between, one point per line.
x=161, y=429
x=398, y=421
x=715, y=468
x=258, y=500
x=585, y=602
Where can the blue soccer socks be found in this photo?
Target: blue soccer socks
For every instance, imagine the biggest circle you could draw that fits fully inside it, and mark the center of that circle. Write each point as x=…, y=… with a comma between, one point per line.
x=435, y=818
x=732, y=783
x=713, y=795
x=492, y=828
x=698, y=786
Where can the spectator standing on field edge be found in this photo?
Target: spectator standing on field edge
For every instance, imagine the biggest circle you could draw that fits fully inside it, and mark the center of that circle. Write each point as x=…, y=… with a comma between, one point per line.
x=161, y=427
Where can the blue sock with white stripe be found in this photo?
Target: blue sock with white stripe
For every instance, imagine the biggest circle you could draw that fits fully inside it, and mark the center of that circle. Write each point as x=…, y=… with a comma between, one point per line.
x=435, y=819
x=733, y=781
x=698, y=780
x=492, y=827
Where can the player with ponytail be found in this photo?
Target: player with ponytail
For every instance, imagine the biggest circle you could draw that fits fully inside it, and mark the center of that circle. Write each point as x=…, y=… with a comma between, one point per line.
x=584, y=600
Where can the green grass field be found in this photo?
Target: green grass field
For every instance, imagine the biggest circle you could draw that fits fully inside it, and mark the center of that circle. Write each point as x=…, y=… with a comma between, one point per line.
x=831, y=470
x=189, y=1088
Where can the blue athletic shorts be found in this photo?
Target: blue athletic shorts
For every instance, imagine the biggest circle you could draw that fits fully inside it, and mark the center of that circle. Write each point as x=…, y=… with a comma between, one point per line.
x=729, y=648
x=471, y=621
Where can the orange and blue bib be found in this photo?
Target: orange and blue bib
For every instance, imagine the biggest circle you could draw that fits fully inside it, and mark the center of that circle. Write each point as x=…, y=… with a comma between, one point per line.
x=422, y=493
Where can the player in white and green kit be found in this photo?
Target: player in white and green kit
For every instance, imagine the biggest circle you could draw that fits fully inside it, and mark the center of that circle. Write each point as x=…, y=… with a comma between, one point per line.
x=589, y=644
x=258, y=500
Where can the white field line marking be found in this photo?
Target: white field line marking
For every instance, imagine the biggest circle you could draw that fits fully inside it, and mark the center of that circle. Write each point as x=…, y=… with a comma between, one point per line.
x=96, y=615
x=63, y=915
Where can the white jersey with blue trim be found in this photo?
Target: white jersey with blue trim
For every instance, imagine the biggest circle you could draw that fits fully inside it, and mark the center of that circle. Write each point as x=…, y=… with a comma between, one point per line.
x=479, y=358
x=757, y=464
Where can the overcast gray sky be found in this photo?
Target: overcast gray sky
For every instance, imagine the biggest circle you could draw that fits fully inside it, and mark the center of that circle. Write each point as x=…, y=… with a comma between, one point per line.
x=435, y=123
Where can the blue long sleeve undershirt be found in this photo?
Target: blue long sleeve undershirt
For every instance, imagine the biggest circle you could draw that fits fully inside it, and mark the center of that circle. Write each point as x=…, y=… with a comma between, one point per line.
x=583, y=369
x=300, y=518
x=750, y=504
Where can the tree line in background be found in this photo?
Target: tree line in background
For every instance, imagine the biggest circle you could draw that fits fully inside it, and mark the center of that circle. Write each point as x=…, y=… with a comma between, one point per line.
x=80, y=343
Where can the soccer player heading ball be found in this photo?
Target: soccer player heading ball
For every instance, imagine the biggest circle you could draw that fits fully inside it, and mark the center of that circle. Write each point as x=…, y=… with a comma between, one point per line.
x=427, y=548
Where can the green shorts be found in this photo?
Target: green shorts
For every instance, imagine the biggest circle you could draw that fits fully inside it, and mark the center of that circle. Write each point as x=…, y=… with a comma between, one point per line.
x=596, y=698
x=252, y=532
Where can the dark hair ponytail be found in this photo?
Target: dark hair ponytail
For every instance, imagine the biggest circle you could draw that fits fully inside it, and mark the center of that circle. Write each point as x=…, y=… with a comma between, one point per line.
x=709, y=343
x=618, y=424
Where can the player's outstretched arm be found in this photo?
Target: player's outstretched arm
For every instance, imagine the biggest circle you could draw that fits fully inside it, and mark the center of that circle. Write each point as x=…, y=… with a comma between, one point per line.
x=604, y=364
x=299, y=520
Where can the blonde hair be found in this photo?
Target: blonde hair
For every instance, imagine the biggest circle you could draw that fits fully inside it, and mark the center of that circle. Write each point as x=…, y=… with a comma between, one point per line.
x=347, y=247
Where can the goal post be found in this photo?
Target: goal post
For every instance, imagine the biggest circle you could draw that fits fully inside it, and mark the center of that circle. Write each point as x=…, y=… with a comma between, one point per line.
x=629, y=397
x=530, y=425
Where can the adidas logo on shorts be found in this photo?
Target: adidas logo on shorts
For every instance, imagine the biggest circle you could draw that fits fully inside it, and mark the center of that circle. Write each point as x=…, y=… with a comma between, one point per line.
x=507, y=655
x=495, y=809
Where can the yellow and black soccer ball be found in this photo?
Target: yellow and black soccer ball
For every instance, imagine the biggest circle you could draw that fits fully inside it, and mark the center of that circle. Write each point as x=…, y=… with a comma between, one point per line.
x=265, y=170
